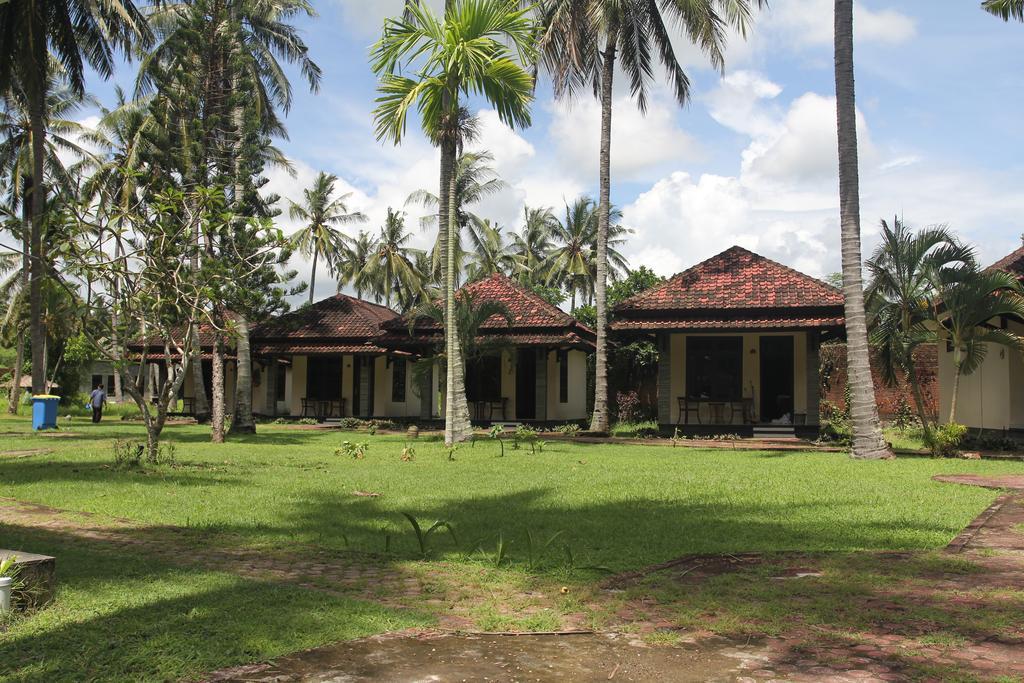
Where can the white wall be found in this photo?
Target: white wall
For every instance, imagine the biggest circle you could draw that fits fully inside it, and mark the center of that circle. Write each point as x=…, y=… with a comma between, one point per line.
x=383, y=405
x=297, y=385
x=984, y=400
x=576, y=407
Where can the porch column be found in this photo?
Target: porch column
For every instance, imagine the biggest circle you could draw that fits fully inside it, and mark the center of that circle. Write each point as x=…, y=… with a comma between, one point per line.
x=664, y=379
x=271, y=383
x=366, y=377
x=542, y=385
x=813, y=383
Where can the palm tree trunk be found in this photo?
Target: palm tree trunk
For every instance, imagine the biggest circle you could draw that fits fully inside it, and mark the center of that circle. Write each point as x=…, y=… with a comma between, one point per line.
x=36, y=275
x=14, y=396
x=217, y=380
x=457, y=426
x=312, y=277
x=599, y=421
x=26, y=265
x=867, y=431
x=957, y=365
x=118, y=390
x=243, y=422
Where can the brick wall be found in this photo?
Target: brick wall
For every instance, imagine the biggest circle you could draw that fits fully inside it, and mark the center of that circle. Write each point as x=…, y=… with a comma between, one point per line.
x=833, y=376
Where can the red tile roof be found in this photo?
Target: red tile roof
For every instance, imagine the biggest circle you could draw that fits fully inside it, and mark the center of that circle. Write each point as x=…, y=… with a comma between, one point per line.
x=314, y=348
x=1011, y=263
x=337, y=317
x=534, y=322
x=736, y=289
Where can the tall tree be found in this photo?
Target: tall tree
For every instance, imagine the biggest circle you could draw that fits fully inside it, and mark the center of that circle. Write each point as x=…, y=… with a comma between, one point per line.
x=900, y=299
x=491, y=253
x=392, y=266
x=1005, y=9
x=584, y=42
x=321, y=214
x=480, y=47
x=534, y=243
x=74, y=33
x=867, y=430
x=351, y=268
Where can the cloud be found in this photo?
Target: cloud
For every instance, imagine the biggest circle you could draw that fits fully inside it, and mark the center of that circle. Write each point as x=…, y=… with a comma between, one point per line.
x=366, y=17
x=810, y=23
x=642, y=145
x=783, y=201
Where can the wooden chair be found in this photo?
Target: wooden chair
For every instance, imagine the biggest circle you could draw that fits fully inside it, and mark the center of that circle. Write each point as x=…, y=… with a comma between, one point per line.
x=309, y=407
x=685, y=408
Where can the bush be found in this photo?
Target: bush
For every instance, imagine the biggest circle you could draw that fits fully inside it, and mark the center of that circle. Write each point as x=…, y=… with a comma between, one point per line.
x=904, y=419
x=128, y=453
x=628, y=406
x=946, y=439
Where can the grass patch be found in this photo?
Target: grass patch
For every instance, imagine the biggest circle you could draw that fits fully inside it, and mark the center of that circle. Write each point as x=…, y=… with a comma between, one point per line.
x=119, y=616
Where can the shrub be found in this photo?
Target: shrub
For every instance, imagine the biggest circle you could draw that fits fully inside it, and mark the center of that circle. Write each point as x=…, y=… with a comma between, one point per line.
x=128, y=453
x=572, y=429
x=904, y=419
x=353, y=450
x=946, y=439
x=629, y=406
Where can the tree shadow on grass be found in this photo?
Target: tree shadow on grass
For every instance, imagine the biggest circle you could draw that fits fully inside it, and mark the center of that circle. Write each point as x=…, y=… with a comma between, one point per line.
x=121, y=616
x=33, y=470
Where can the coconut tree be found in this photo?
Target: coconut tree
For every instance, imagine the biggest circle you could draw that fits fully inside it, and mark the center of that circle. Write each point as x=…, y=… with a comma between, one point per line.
x=491, y=253
x=351, y=268
x=479, y=48
x=900, y=294
x=475, y=180
x=867, y=430
x=1005, y=9
x=583, y=44
x=74, y=33
x=321, y=214
x=533, y=244
x=391, y=266
x=570, y=262
x=971, y=299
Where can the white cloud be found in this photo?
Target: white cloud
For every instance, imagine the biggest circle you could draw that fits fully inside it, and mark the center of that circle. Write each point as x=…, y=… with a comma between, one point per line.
x=642, y=145
x=366, y=17
x=783, y=202
x=810, y=23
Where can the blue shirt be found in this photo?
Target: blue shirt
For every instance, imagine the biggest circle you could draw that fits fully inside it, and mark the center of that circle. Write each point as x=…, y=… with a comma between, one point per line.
x=97, y=398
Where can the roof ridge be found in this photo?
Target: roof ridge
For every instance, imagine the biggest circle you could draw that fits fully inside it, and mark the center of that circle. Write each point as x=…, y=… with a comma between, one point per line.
x=1007, y=262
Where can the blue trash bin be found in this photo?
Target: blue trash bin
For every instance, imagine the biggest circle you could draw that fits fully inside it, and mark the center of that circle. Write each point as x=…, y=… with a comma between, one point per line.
x=44, y=412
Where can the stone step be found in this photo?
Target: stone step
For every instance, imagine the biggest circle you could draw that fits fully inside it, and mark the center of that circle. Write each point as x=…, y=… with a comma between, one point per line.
x=37, y=571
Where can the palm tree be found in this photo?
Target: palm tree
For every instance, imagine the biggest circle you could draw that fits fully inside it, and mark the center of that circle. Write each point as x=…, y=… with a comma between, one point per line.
x=479, y=48
x=533, y=245
x=351, y=268
x=491, y=254
x=572, y=259
x=867, y=430
x=320, y=238
x=970, y=298
x=392, y=265
x=583, y=42
x=900, y=297
x=73, y=33
x=475, y=180
x=1005, y=9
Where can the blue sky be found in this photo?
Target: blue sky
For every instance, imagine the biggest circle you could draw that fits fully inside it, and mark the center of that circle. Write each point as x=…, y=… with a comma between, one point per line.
x=750, y=161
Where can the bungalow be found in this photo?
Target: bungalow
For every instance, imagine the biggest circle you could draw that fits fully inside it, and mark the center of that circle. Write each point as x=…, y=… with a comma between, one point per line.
x=992, y=397
x=324, y=361
x=739, y=336
x=531, y=367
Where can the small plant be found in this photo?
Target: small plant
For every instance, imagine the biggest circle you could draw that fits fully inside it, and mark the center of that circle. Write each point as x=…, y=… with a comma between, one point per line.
x=629, y=406
x=571, y=430
x=423, y=537
x=309, y=421
x=450, y=451
x=349, y=422
x=524, y=434
x=128, y=453
x=354, y=450
x=500, y=551
x=946, y=440
x=167, y=452
x=540, y=446
x=495, y=433
x=408, y=453
x=372, y=429
x=904, y=419
x=534, y=548
x=675, y=437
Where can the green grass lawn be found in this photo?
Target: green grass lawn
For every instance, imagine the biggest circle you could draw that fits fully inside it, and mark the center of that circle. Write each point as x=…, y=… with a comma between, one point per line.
x=615, y=506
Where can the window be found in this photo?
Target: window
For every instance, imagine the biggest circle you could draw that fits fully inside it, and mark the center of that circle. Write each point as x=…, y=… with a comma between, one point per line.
x=398, y=373
x=563, y=376
x=714, y=368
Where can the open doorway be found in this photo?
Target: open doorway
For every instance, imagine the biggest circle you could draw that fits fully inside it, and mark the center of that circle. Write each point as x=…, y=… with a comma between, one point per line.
x=526, y=384
x=776, y=378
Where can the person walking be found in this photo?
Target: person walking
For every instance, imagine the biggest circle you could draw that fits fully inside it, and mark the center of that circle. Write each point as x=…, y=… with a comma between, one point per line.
x=97, y=399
